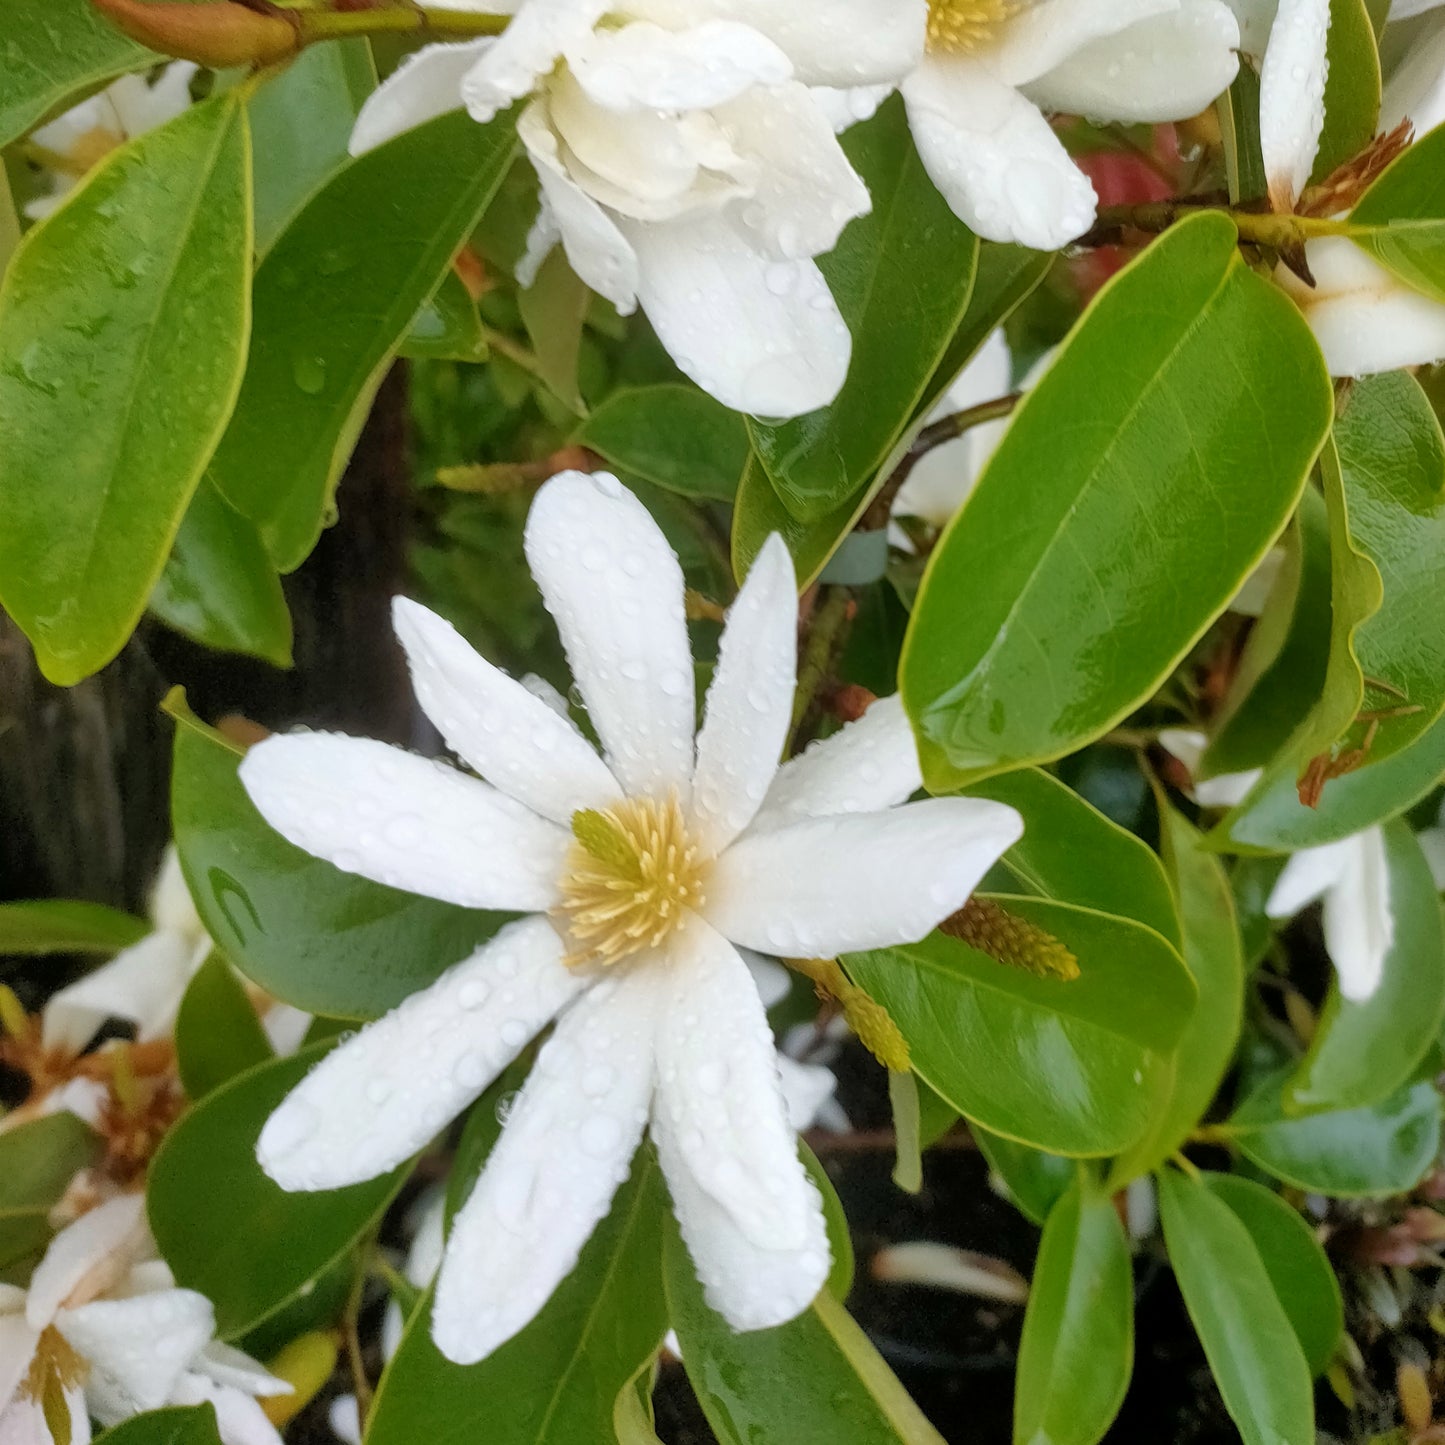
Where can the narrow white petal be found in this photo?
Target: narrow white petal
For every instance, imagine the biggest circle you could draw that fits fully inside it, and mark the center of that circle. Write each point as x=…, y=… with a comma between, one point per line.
x=805, y=189
x=227, y=1365
x=87, y=1257
x=1167, y=67
x=566, y=1147
x=1256, y=20
x=426, y=84
x=869, y=765
x=806, y=1089
x=496, y=726
x=344, y=1417
x=1308, y=876
x=136, y=1348
x=1415, y=90
x=239, y=1419
x=614, y=586
x=785, y=348
x=995, y=159
x=143, y=984
x=770, y=978
x=23, y=1421
x=1227, y=790
x=172, y=908
x=1359, y=926
x=285, y=1027
x=750, y=702
x=379, y=1097
x=529, y=47
x=1292, y=97
x=17, y=1349
x=841, y=884
x=408, y=822
x=643, y=66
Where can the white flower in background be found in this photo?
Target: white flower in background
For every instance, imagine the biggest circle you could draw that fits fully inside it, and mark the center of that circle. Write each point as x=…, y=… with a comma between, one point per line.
x=1432, y=844
x=1225, y=791
x=103, y=1328
x=644, y=869
x=77, y=140
x=992, y=68
x=1415, y=86
x=685, y=165
x=144, y=983
x=1364, y=318
x=1353, y=878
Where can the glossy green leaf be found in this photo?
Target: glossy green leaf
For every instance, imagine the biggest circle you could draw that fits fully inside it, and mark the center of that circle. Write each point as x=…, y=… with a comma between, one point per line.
x=301, y=121
x=1090, y=555
x=814, y=1381
x=175, y=1425
x=1362, y=1052
x=1070, y=851
x=553, y=309
x=840, y=1241
x=1405, y=213
x=1285, y=657
x=1064, y=1066
x=1212, y=953
x=38, y=1160
x=334, y=297
x=123, y=327
x=448, y=326
x=901, y=276
x=1383, y=1149
x=327, y=941
x=1077, y=1350
x=1297, y=1266
x=1352, y=87
x=225, y=1229
x=67, y=925
x=54, y=50
x=9, y=224
x=557, y=1382
x=1036, y=1181
x=217, y=1032
x=1247, y=1337
x=672, y=435
x=219, y=586
x=1238, y=111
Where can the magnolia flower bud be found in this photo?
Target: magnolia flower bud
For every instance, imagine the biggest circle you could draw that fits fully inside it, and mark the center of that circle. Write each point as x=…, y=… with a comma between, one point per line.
x=217, y=35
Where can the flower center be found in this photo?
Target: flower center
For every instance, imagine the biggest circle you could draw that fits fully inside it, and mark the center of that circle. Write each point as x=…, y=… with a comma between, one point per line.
x=958, y=27
x=54, y=1368
x=632, y=875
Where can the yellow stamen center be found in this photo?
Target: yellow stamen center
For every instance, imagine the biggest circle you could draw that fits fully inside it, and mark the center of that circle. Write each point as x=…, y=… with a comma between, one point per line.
x=958, y=27
x=632, y=876
x=54, y=1369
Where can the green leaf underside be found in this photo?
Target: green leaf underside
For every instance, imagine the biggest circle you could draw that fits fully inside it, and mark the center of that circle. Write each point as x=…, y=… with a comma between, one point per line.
x=1406, y=208
x=67, y=925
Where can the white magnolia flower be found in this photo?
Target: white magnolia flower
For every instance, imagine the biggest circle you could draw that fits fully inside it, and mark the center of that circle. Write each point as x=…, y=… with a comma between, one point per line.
x=1353, y=878
x=992, y=68
x=1225, y=791
x=1415, y=86
x=1364, y=318
x=74, y=142
x=104, y=1327
x=144, y=983
x=684, y=164
x=644, y=868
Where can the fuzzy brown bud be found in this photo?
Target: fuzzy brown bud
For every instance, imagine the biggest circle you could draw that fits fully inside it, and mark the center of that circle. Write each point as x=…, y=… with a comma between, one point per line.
x=218, y=35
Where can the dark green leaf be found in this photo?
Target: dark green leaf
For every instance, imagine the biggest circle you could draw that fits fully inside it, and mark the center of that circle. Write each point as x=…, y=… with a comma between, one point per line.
x=1029, y=637
x=217, y=1032
x=67, y=925
x=1238, y=112
x=123, y=327
x=38, y=1160
x=176, y=1425
x=1352, y=87
x=223, y=1226
x=1036, y=1181
x=553, y=310
x=1406, y=209
x=449, y=326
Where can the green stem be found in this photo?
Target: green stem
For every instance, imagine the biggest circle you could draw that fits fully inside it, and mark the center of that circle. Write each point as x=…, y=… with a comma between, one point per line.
x=820, y=652
x=314, y=25
x=1280, y=232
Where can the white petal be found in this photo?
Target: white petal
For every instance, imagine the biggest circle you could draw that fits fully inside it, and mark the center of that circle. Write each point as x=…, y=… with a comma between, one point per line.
x=1364, y=320
x=426, y=84
x=996, y=160
x=1432, y=845
x=542, y=238
x=566, y=1147
x=408, y=822
x=750, y=702
x=529, y=47
x=496, y=726
x=285, y=1027
x=136, y=1348
x=1308, y=876
x=845, y=107
x=840, y=884
x=597, y=250
x=1256, y=20
x=772, y=981
x=1415, y=90
x=1226, y=790
x=344, y=1417
x=643, y=66
x=226, y=1365
x=1037, y=38
x=239, y=1419
x=143, y=984
x=142, y=106
x=806, y=1089
x=784, y=350
x=1292, y=97
x=424, y=1257
x=172, y=908
x=869, y=765
x=17, y=1349
x=1359, y=926
x=379, y=1097
x=1168, y=67
x=23, y=1422
x=615, y=588
x=805, y=190
x=87, y=1257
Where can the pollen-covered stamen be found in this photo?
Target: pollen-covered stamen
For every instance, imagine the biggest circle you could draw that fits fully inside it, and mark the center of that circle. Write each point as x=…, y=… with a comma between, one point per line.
x=54, y=1369
x=958, y=27
x=631, y=877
